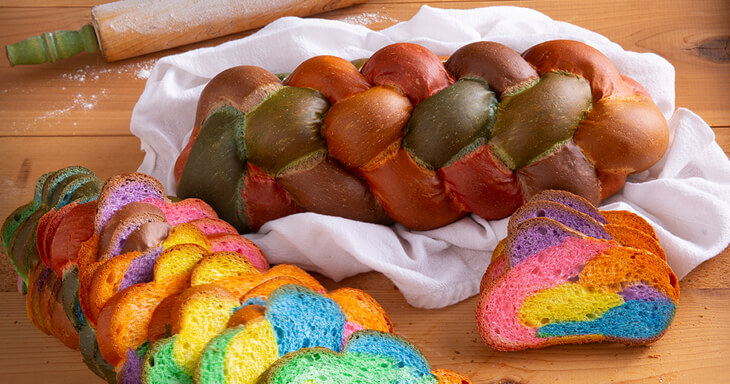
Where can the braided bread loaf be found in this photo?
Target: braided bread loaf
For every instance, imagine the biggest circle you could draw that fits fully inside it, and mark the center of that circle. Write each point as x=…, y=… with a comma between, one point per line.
x=411, y=139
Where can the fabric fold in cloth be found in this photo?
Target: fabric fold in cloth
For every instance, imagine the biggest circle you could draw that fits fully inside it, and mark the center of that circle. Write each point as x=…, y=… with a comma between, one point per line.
x=685, y=196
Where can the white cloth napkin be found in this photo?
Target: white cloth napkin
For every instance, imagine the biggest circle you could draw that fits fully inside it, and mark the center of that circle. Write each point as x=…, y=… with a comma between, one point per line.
x=685, y=196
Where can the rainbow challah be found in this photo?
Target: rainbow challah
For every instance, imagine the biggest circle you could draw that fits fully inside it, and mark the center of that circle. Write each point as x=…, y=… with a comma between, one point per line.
x=408, y=138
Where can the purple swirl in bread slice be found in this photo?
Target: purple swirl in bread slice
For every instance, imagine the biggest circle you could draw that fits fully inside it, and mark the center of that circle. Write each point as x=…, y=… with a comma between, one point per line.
x=563, y=214
x=141, y=269
x=123, y=189
x=533, y=236
x=572, y=201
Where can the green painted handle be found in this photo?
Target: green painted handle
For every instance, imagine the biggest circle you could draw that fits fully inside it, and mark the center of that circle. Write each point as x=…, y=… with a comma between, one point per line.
x=51, y=47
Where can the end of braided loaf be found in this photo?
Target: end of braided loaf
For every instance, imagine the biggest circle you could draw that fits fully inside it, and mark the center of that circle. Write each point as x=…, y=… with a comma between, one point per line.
x=410, y=139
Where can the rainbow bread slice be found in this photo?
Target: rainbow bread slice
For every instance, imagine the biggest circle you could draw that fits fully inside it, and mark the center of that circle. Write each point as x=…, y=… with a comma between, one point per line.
x=152, y=290
x=171, y=304
x=367, y=357
x=90, y=251
x=271, y=326
x=53, y=191
x=281, y=312
x=550, y=284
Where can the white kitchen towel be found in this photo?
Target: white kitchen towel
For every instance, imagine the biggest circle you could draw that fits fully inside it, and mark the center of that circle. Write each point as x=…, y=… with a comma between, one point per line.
x=685, y=196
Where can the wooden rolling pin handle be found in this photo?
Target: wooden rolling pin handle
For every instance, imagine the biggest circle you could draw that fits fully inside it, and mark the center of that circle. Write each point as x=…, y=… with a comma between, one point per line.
x=51, y=47
x=130, y=28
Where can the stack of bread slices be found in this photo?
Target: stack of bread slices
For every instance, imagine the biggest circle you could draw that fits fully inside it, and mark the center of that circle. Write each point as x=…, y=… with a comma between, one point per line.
x=568, y=273
x=152, y=290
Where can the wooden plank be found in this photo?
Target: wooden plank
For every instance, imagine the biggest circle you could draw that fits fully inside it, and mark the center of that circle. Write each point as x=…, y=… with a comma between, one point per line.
x=695, y=348
x=26, y=158
x=679, y=31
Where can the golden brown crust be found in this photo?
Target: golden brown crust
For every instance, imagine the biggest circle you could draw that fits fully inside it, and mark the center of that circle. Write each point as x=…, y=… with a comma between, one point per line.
x=243, y=87
x=335, y=77
x=361, y=127
x=413, y=69
x=623, y=135
x=611, y=182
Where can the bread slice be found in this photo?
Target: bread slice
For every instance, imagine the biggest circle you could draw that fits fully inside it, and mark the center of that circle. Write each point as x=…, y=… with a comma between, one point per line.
x=627, y=228
x=36, y=281
x=240, y=285
x=284, y=325
x=219, y=265
x=239, y=354
x=560, y=286
x=629, y=219
x=276, y=317
x=123, y=189
x=445, y=376
x=122, y=223
x=20, y=214
x=565, y=215
x=91, y=355
x=226, y=242
x=186, y=234
x=183, y=211
x=635, y=238
x=368, y=357
x=20, y=228
x=572, y=201
x=212, y=226
x=185, y=262
x=131, y=292
x=63, y=241
x=124, y=319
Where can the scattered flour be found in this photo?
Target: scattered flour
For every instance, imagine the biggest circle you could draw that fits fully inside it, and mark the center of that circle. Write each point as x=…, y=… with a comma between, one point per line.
x=144, y=73
x=79, y=91
x=141, y=70
x=367, y=18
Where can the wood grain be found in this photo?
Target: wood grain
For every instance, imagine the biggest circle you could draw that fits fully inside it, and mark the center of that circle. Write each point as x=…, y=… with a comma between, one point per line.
x=673, y=30
x=77, y=112
x=695, y=348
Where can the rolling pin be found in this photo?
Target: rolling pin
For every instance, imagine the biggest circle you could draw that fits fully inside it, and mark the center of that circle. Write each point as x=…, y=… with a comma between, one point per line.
x=130, y=28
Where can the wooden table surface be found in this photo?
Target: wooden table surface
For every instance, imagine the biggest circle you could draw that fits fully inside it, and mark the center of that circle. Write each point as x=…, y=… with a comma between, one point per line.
x=78, y=111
